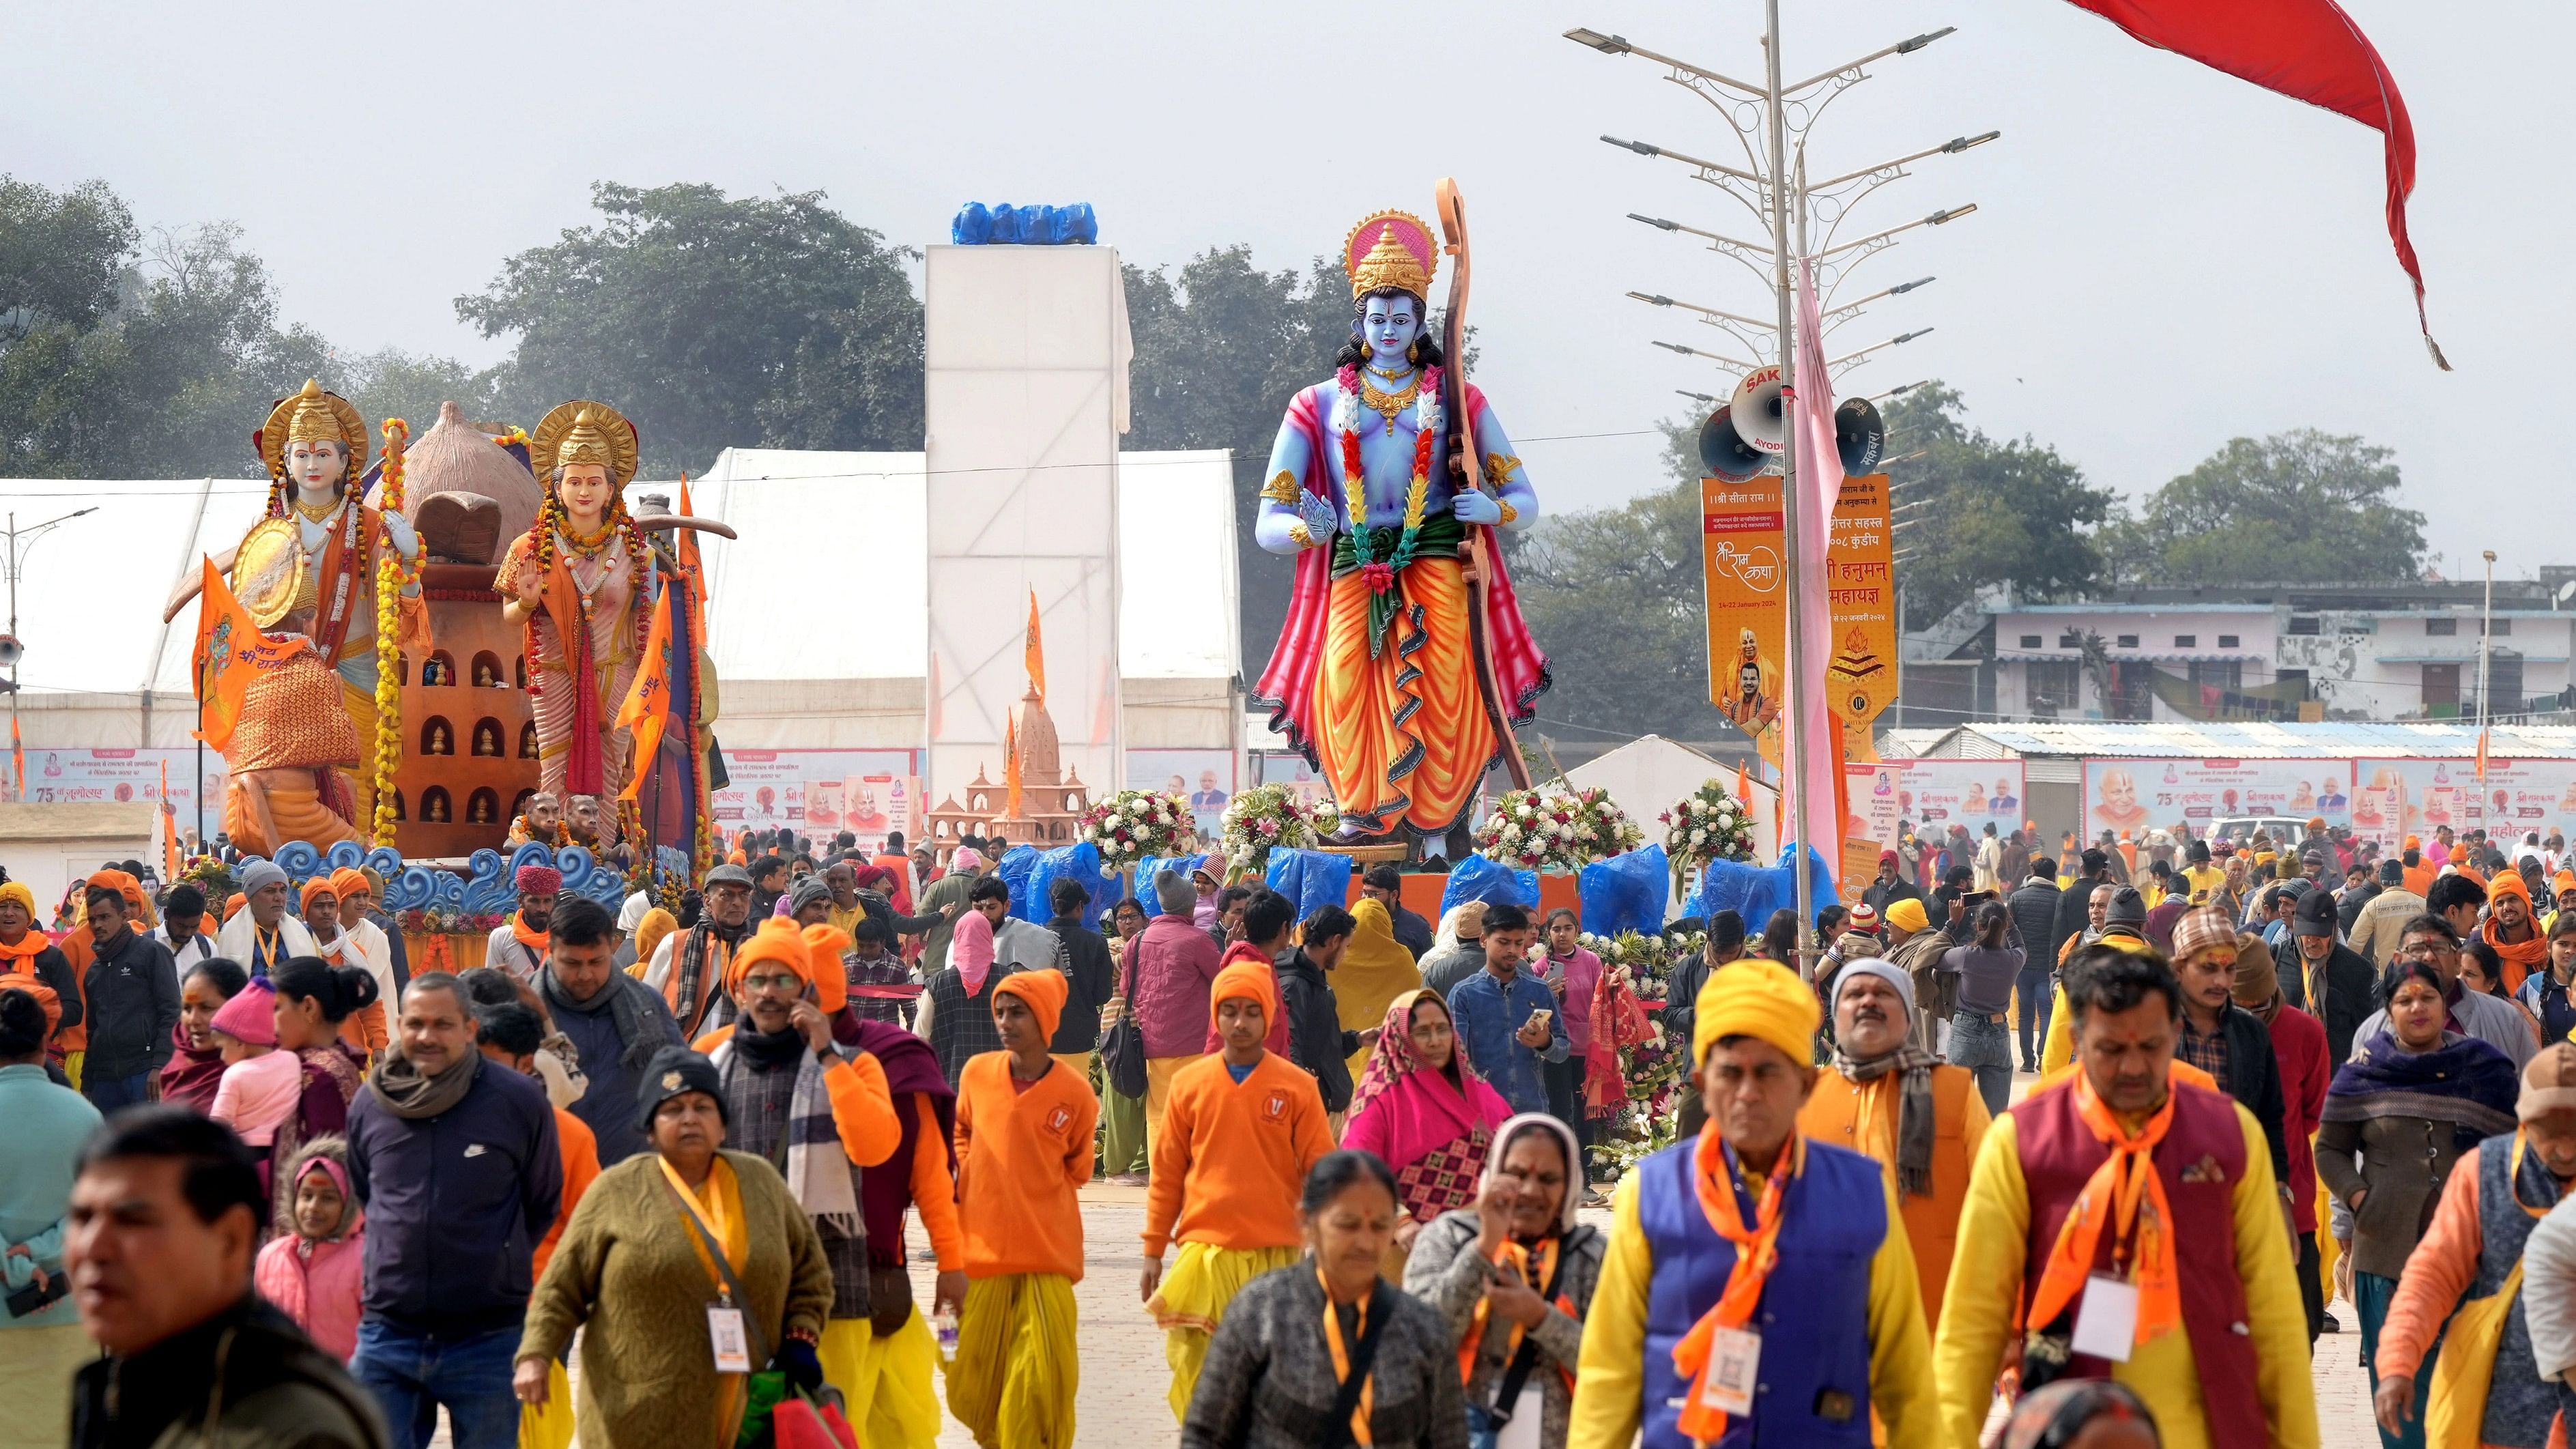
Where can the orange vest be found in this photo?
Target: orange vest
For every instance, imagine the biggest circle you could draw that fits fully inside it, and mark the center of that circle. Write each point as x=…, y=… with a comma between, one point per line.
x=1833, y=1116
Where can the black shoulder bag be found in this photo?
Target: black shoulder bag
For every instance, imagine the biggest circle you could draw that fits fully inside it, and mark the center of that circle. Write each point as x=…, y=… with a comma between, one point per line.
x=1122, y=1047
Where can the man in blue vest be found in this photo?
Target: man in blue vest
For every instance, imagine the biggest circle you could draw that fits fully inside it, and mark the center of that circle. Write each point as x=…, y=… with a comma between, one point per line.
x=1758, y=1286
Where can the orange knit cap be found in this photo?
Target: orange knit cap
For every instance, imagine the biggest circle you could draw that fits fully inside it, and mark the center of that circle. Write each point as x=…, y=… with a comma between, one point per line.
x=779, y=940
x=348, y=881
x=319, y=885
x=233, y=904
x=121, y=883
x=1249, y=981
x=2509, y=882
x=1043, y=991
x=2562, y=882
x=824, y=943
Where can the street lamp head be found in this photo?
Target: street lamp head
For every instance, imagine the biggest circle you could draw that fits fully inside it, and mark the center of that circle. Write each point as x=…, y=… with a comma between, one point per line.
x=1606, y=44
x=1640, y=147
x=1967, y=142
x=2489, y=555
x=1656, y=221
x=1656, y=299
x=1949, y=214
x=1697, y=397
x=1902, y=338
x=1908, y=47
x=1902, y=288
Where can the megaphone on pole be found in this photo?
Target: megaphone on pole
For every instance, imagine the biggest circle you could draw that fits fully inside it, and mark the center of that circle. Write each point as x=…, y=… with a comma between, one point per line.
x=1725, y=453
x=1859, y=436
x=1756, y=410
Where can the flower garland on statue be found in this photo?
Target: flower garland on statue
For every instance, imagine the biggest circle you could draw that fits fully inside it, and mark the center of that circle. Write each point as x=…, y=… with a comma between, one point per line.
x=553, y=532
x=1379, y=572
x=1549, y=827
x=1133, y=824
x=1708, y=825
x=1267, y=816
x=393, y=575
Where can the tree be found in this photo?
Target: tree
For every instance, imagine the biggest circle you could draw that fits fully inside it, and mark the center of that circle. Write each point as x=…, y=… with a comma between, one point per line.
x=1220, y=349
x=62, y=256
x=2012, y=512
x=1616, y=598
x=2296, y=507
x=714, y=322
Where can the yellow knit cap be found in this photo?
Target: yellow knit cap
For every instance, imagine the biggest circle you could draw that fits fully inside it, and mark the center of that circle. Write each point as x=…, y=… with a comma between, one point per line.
x=1908, y=913
x=1759, y=999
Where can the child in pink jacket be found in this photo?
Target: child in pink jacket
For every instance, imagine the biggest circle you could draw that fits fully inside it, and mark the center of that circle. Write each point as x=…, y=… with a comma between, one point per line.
x=315, y=1275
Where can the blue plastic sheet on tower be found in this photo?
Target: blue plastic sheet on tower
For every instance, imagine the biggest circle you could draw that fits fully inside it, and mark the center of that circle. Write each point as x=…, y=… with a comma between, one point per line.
x=1015, y=867
x=973, y=225
x=1312, y=879
x=1479, y=879
x=1145, y=870
x=1068, y=862
x=1754, y=892
x=1003, y=224
x=1626, y=892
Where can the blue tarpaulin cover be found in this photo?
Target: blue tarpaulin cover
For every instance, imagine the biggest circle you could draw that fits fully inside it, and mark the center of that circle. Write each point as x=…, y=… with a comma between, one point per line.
x=1626, y=892
x=1313, y=879
x=1479, y=879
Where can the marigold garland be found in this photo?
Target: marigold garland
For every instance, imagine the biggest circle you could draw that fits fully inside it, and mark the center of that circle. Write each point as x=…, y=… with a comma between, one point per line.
x=393, y=574
x=1417, y=498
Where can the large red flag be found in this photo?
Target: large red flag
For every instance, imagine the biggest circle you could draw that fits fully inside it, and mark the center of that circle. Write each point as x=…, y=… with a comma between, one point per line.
x=2305, y=49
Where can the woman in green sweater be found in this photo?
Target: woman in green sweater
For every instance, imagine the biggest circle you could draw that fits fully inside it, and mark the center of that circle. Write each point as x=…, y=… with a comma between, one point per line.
x=633, y=1265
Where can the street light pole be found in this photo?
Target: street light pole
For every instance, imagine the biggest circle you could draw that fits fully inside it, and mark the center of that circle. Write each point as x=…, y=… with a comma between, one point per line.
x=1794, y=743
x=2486, y=635
x=13, y=649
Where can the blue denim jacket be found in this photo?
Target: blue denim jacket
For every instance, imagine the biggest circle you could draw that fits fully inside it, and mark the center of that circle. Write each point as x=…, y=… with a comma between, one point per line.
x=1488, y=1014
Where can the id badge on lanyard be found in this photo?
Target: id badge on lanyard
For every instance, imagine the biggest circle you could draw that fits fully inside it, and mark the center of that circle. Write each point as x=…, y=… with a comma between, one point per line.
x=725, y=1331
x=1734, y=1361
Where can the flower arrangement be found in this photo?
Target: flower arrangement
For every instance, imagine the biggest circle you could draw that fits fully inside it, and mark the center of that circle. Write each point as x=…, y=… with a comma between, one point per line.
x=209, y=874
x=1272, y=815
x=1549, y=827
x=1133, y=824
x=1710, y=824
x=446, y=921
x=393, y=575
x=1656, y=1069
x=1380, y=572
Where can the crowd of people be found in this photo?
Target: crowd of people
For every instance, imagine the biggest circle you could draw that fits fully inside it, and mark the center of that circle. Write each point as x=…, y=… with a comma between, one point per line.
x=642, y=1177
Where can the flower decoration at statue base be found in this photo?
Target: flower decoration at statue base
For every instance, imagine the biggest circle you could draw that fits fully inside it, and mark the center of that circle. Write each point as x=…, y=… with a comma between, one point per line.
x=1708, y=825
x=1265, y=816
x=1657, y=1069
x=1550, y=827
x=1133, y=824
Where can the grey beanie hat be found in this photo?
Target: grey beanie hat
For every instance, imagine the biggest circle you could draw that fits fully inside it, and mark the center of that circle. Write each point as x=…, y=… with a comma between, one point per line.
x=1884, y=970
x=260, y=874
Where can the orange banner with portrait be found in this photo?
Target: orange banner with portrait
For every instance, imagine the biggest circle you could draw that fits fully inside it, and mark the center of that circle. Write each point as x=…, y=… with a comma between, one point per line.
x=1860, y=594
x=1743, y=537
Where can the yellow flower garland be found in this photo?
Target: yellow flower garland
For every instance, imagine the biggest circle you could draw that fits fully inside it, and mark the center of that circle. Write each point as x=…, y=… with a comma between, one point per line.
x=392, y=574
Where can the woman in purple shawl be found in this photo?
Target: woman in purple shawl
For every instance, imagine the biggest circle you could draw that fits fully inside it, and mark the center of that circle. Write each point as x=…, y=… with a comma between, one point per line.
x=1423, y=1110
x=889, y=1392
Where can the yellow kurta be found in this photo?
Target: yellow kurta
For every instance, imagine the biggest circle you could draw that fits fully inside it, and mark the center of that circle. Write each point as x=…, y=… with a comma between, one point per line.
x=1406, y=740
x=1610, y=1378
x=1862, y=1116
x=1986, y=1286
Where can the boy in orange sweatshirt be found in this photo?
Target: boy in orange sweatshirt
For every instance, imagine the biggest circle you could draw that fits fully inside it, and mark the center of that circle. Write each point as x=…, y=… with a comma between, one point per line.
x=1239, y=1132
x=1024, y=1130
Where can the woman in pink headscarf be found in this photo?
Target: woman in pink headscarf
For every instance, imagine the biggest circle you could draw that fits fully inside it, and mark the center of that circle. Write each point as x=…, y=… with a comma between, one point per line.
x=957, y=1003
x=1423, y=1110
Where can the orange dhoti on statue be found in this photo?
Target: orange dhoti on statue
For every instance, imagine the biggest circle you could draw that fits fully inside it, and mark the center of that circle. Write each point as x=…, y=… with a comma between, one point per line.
x=1410, y=738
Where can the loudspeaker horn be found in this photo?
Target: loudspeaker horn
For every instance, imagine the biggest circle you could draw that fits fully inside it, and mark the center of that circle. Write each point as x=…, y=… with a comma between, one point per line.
x=1859, y=436
x=1724, y=452
x=1757, y=412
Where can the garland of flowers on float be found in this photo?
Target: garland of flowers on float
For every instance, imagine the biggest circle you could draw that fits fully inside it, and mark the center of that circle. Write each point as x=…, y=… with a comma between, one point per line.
x=1133, y=824
x=1655, y=1069
x=1708, y=825
x=1379, y=573
x=394, y=573
x=1548, y=827
x=1265, y=817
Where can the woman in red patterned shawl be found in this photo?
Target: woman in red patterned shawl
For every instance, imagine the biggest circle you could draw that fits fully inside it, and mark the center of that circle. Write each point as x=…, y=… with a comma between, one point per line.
x=1423, y=1110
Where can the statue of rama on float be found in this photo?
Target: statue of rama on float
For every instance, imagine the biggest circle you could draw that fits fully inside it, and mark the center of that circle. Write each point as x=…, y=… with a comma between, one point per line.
x=313, y=560
x=1380, y=677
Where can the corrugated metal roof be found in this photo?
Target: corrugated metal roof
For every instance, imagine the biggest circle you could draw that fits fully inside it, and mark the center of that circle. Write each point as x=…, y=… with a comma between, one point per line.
x=2250, y=740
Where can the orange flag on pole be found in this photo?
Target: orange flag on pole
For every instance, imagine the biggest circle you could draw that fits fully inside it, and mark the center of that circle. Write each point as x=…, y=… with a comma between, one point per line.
x=1034, y=652
x=17, y=760
x=1011, y=767
x=685, y=548
x=647, y=710
x=169, y=828
x=230, y=650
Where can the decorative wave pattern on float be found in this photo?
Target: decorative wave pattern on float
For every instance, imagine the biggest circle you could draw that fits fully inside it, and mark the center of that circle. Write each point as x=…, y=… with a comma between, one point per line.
x=485, y=887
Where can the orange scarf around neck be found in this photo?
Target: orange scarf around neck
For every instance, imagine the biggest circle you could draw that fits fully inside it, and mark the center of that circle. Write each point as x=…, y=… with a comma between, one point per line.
x=1756, y=1253
x=1537, y=1270
x=2126, y=1195
x=535, y=941
x=29, y=945
x=1342, y=1362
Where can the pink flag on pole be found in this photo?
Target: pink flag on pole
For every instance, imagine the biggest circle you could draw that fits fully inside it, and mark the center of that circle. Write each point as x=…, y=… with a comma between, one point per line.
x=1820, y=487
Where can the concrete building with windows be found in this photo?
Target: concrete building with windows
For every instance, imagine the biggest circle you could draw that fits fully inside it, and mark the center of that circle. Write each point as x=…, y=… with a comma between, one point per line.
x=2253, y=652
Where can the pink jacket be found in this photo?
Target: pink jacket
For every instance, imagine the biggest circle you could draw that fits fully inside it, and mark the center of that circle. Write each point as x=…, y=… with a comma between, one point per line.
x=1175, y=966
x=318, y=1285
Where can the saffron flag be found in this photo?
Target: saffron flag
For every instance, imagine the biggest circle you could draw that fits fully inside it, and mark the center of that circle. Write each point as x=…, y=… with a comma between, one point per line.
x=1011, y=767
x=169, y=828
x=2308, y=50
x=17, y=758
x=647, y=710
x=685, y=548
x=230, y=650
x=1034, y=652
x=2482, y=757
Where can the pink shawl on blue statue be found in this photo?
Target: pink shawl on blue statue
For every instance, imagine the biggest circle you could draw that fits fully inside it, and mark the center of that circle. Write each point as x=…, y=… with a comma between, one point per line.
x=1287, y=686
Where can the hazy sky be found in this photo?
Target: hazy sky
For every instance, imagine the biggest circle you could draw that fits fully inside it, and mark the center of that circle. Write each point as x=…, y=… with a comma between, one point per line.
x=2164, y=257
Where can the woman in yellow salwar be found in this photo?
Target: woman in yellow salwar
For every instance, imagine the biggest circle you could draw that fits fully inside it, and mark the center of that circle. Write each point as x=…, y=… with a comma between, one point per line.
x=1373, y=676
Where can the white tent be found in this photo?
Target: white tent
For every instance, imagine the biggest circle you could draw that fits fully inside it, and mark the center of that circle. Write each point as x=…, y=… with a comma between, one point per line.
x=1646, y=775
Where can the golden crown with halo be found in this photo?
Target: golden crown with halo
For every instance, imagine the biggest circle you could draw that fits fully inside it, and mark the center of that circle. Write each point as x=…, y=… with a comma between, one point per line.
x=313, y=416
x=1390, y=249
x=584, y=432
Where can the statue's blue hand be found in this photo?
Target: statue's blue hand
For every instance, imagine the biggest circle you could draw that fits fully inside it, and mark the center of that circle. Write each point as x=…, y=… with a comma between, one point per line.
x=1317, y=513
x=1476, y=508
